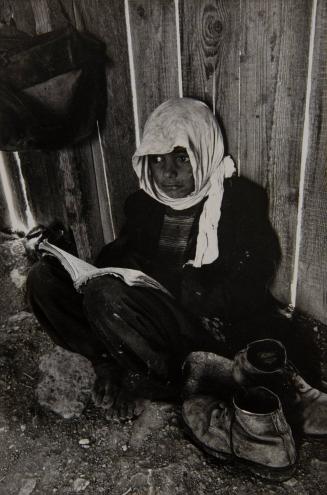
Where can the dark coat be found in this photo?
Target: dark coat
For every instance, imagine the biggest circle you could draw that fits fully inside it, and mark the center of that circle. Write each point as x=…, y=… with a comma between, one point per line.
x=232, y=287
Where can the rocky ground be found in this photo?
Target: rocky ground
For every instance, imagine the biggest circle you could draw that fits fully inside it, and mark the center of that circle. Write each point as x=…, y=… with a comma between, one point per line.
x=43, y=453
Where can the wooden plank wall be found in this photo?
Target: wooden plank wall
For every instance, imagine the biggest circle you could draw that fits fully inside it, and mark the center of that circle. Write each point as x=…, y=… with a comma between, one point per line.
x=249, y=60
x=14, y=181
x=114, y=149
x=312, y=281
x=153, y=31
x=5, y=220
x=210, y=46
x=273, y=79
x=52, y=179
x=4, y=214
x=40, y=170
x=86, y=185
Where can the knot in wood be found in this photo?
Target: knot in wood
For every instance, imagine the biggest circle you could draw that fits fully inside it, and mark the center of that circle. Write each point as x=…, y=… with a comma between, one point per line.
x=141, y=12
x=215, y=27
x=212, y=29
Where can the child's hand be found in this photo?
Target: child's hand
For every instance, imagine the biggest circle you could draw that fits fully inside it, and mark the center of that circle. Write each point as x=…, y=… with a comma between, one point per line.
x=32, y=241
x=54, y=233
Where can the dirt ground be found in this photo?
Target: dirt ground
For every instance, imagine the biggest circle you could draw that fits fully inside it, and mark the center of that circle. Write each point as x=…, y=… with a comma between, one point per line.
x=41, y=453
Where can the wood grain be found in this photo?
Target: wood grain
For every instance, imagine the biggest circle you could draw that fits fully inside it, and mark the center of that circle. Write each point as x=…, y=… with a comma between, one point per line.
x=107, y=21
x=20, y=11
x=248, y=59
x=312, y=281
x=4, y=213
x=274, y=60
x=5, y=223
x=210, y=37
x=14, y=181
x=44, y=186
x=153, y=29
x=77, y=162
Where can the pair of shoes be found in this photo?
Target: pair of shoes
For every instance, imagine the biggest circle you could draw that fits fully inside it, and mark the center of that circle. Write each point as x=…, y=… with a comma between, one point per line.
x=263, y=385
x=265, y=363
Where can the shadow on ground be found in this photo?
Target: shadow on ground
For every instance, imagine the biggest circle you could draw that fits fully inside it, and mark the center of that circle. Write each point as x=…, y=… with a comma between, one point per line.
x=42, y=453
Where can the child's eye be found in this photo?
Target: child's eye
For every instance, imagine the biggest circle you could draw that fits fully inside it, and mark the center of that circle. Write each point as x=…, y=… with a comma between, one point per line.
x=183, y=158
x=156, y=159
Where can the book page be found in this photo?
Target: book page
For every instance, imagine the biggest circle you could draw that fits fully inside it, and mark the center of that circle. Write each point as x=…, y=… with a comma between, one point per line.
x=81, y=271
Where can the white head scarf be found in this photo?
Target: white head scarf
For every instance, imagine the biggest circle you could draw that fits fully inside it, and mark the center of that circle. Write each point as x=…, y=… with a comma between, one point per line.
x=189, y=124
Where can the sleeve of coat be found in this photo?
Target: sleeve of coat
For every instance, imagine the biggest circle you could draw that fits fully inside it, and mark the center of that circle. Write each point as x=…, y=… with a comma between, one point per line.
x=237, y=283
x=127, y=250
x=118, y=252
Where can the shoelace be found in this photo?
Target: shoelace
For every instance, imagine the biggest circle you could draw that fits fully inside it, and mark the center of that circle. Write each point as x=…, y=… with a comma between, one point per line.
x=295, y=378
x=297, y=386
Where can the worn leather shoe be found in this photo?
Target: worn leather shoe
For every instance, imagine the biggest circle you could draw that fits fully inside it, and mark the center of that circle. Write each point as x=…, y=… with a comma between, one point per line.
x=264, y=362
x=252, y=432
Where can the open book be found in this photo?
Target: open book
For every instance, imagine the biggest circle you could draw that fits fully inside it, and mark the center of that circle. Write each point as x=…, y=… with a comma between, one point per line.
x=81, y=271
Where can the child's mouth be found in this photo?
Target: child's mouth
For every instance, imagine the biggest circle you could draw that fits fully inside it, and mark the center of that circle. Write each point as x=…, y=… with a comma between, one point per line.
x=171, y=187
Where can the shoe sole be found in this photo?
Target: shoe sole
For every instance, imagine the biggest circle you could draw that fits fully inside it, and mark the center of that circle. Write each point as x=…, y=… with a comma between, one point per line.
x=263, y=472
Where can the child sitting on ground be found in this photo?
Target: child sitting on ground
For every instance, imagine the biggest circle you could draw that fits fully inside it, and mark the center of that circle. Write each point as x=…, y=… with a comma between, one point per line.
x=198, y=229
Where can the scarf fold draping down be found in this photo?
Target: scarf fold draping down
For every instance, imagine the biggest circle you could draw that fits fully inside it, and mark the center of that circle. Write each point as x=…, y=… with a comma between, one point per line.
x=190, y=124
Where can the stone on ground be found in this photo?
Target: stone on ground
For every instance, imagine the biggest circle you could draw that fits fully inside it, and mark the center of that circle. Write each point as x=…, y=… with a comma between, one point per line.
x=66, y=383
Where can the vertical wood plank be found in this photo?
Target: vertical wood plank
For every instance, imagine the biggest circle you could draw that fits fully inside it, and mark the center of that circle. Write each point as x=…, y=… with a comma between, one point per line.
x=20, y=11
x=274, y=61
x=4, y=214
x=12, y=200
x=14, y=180
x=44, y=186
x=312, y=281
x=5, y=223
x=153, y=30
x=113, y=151
x=210, y=32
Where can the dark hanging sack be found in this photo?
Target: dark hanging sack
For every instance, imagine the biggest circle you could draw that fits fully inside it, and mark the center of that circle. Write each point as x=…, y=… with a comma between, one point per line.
x=52, y=88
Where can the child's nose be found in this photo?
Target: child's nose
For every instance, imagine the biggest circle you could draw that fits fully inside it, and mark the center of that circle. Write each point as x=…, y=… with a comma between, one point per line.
x=170, y=169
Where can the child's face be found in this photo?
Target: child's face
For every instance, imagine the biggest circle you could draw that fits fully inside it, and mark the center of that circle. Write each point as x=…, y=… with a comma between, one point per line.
x=172, y=172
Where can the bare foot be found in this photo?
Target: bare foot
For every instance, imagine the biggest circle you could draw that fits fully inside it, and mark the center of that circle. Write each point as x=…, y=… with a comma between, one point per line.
x=105, y=391
x=109, y=394
x=126, y=406
x=106, y=386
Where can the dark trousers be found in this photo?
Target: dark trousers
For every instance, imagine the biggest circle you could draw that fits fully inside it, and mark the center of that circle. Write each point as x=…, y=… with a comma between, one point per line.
x=143, y=329
x=138, y=328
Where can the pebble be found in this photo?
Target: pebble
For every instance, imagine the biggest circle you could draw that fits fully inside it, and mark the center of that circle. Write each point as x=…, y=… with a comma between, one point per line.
x=318, y=463
x=22, y=315
x=80, y=484
x=321, y=467
x=84, y=441
x=17, y=278
x=28, y=487
x=291, y=482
